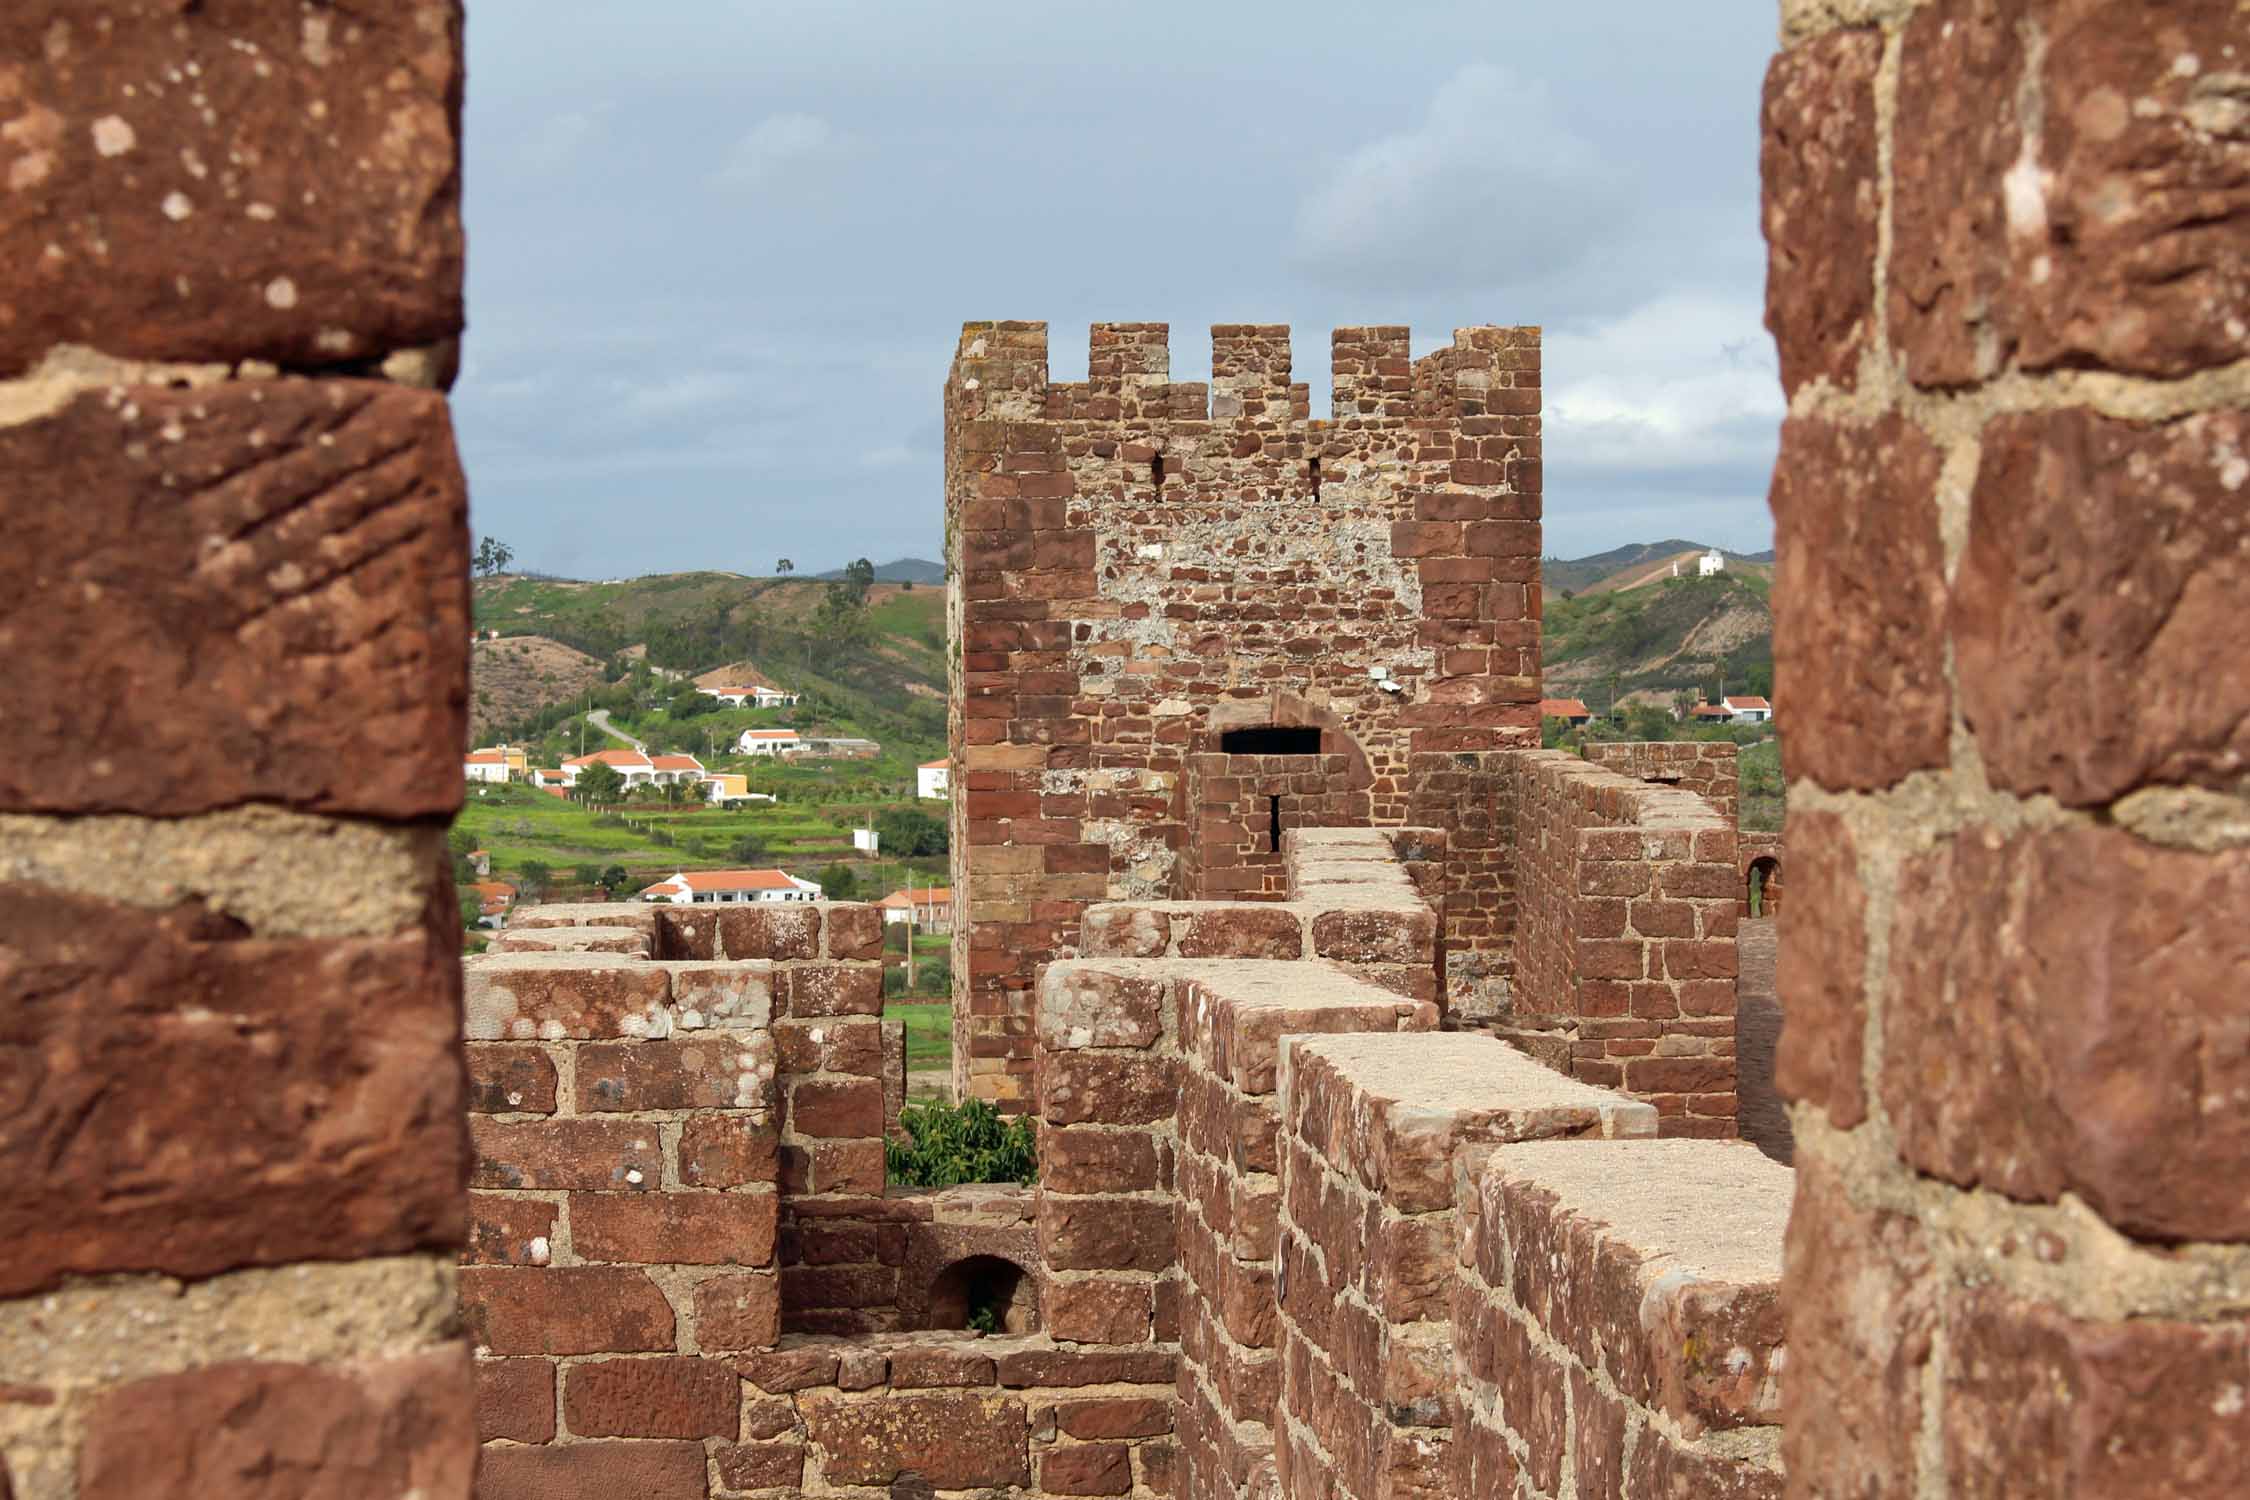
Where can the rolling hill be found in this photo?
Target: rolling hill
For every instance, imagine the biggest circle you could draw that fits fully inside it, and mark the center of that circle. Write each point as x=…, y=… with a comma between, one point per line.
x=519, y=675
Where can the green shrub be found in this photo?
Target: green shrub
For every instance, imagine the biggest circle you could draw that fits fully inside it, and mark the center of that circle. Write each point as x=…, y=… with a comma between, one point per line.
x=957, y=1143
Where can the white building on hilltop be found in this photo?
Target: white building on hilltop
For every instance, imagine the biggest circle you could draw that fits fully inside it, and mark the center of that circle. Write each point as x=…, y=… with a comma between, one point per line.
x=1714, y=561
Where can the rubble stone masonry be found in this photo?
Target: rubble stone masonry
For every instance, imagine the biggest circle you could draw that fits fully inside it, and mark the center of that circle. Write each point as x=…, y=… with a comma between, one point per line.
x=234, y=606
x=1142, y=565
x=2008, y=282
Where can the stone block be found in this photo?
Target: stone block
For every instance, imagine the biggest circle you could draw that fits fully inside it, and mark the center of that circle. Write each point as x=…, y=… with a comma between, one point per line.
x=811, y=990
x=586, y=1155
x=246, y=1428
x=1818, y=162
x=507, y=1231
x=658, y=1397
x=262, y=583
x=2111, y=555
x=836, y=1110
x=515, y=1400
x=705, y=1070
x=564, y=1310
x=685, y=1229
x=120, y=1026
x=2022, y=1050
x=645, y=1470
x=1822, y=969
x=2115, y=247
x=1089, y=1005
x=769, y=930
x=113, y=189
x=951, y=1440
x=1859, y=602
x=729, y=1150
x=553, y=996
x=1106, y=1088
x=507, y=1078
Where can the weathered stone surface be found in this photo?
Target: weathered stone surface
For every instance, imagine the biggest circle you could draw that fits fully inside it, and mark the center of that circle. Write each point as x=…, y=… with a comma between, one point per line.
x=643, y=1470
x=1859, y=602
x=230, y=181
x=559, y=995
x=631, y=942
x=510, y=1079
x=1241, y=932
x=737, y=1312
x=954, y=1440
x=1818, y=163
x=681, y=1229
x=2080, y=201
x=263, y=587
x=341, y=1133
x=730, y=1150
x=702, y=1070
x=1087, y=1005
x=506, y=1231
x=1822, y=970
x=773, y=930
x=564, y=1310
x=652, y=1398
x=587, y=1155
x=2041, y=1403
x=2113, y=557
x=515, y=1400
x=1861, y=1302
x=252, y=1431
x=2066, y=1016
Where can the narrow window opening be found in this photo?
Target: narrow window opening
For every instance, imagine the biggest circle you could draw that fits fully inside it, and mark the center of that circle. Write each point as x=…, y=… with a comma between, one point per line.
x=1270, y=739
x=984, y=1294
x=1314, y=469
x=1156, y=471
x=1273, y=810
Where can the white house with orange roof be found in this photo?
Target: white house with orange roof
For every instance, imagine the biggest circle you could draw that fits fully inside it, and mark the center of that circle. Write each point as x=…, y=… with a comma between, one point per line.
x=636, y=768
x=929, y=907
x=933, y=780
x=769, y=742
x=486, y=766
x=759, y=695
x=1747, y=710
x=670, y=768
x=730, y=887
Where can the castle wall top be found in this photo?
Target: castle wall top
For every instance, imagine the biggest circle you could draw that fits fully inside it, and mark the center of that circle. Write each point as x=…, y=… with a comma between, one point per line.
x=1000, y=370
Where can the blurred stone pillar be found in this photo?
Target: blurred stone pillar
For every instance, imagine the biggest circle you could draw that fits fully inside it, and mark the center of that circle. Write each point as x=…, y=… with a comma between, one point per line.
x=2010, y=282
x=234, y=615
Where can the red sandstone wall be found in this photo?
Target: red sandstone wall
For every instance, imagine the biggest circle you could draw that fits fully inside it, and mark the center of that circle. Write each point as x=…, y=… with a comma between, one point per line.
x=1625, y=962
x=1228, y=810
x=1106, y=618
x=1705, y=767
x=1466, y=800
x=2007, y=283
x=235, y=608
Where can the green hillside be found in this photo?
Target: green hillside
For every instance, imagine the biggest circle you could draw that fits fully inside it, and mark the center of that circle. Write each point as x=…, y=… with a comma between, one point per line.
x=1676, y=636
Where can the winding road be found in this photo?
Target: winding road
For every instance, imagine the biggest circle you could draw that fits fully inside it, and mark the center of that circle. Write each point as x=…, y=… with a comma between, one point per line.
x=599, y=718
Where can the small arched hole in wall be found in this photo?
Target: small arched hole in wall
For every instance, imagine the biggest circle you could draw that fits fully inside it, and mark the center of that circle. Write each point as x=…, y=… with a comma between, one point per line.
x=1270, y=739
x=1765, y=875
x=985, y=1294
x=1156, y=471
x=1313, y=469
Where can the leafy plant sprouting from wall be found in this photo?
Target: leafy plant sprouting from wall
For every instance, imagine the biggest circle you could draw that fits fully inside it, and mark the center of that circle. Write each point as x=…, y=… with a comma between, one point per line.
x=950, y=1144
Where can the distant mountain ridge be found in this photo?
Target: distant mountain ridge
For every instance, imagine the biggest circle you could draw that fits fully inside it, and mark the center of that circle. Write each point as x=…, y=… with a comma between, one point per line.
x=1576, y=574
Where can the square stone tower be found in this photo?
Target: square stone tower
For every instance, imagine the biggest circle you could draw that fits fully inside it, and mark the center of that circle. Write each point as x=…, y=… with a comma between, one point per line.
x=1184, y=616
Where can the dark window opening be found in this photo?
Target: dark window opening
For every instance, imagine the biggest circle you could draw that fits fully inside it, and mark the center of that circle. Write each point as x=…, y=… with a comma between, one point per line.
x=1156, y=471
x=1315, y=471
x=1273, y=809
x=1269, y=739
x=1764, y=894
x=984, y=1294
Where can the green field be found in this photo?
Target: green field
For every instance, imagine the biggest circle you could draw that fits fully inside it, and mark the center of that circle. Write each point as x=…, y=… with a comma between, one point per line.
x=517, y=825
x=929, y=1033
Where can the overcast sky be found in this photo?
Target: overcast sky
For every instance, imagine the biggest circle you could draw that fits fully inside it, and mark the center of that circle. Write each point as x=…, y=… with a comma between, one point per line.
x=720, y=250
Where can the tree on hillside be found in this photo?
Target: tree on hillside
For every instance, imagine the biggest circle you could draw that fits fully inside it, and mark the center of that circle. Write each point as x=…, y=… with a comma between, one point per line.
x=613, y=879
x=747, y=850
x=533, y=878
x=838, y=883
x=599, y=783
x=493, y=557
x=909, y=831
x=472, y=909
x=785, y=567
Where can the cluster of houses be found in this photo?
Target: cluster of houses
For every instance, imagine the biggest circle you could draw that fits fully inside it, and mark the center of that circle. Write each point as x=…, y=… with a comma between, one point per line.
x=1735, y=709
x=500, y=764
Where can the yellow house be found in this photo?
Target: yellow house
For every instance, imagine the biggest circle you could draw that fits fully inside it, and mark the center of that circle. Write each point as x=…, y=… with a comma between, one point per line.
x=726, y=784
x=515, y=757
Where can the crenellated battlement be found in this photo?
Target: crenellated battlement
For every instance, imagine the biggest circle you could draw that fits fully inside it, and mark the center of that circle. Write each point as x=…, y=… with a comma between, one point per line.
x=1000, y=370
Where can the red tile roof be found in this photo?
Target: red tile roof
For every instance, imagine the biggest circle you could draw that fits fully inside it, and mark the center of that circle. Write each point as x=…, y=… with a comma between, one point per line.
x=1564, y=708
x=769, y=734
x=677, y=763
x=1748, y=703
x=935, y=765
x=726, y=880
x=617, y=759
x=927, y=895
